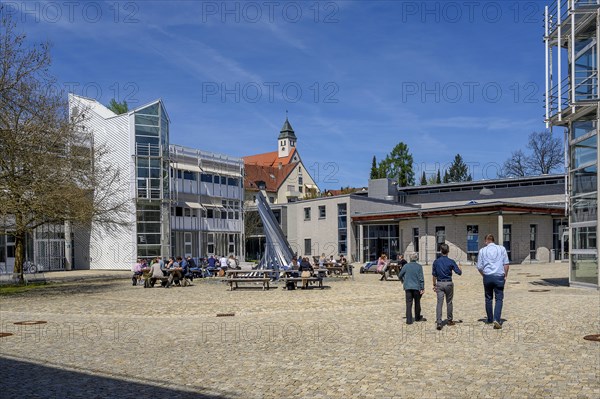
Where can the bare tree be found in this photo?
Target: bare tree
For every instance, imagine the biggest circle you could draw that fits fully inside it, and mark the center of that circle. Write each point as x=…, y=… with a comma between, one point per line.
x=516, y=165
x=547, y=152
x=50, y=171
x=545, y=157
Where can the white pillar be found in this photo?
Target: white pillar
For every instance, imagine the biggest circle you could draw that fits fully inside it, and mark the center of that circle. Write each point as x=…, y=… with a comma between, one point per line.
x=68, y=247
x=499, y=239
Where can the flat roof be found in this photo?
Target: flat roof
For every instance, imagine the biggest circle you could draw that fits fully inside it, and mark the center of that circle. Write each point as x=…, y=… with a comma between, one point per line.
x=486, y=208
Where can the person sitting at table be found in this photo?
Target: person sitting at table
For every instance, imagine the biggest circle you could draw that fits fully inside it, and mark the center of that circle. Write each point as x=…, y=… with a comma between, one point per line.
x=293, y=267
x=332, y=261
x=212, y=265
x=401, y=262
x=382, y=264
x=223, y=265
x=173, y=270
x=137, y=272
x=322, y=261
x=185, y=276
x=156, y=272
x=305, y=270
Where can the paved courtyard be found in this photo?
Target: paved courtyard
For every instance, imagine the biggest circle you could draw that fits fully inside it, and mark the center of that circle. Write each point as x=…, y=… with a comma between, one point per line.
x=105, y=338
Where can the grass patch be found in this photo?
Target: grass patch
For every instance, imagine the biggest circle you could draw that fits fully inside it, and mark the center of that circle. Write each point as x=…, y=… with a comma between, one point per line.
x=11, y=289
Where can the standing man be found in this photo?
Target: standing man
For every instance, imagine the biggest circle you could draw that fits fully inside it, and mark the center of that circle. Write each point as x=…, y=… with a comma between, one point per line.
x=412, y=277
x=492, y=263
x=442, y=284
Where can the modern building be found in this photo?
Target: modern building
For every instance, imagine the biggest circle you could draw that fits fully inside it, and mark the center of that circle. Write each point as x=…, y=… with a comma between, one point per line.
x=182, y=201
x=207, y=198
x=527, y=214
x=572, y=103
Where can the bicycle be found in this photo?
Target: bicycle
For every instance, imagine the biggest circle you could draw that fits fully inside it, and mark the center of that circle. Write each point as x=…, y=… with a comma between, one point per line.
x=29, y=267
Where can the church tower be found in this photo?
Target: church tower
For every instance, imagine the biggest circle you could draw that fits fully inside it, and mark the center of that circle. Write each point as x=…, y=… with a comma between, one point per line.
x=286, y=139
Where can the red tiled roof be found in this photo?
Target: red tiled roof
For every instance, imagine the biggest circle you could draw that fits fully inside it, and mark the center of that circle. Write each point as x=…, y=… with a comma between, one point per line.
x=268, y=159
x=272, y=176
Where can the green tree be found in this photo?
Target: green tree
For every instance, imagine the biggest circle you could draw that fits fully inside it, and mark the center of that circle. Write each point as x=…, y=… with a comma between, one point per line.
x=398, y=165
x=374, y=169
x=458, y=171
x=117, y=107
x=446, y=177
x=438, y=179
x=423, y=179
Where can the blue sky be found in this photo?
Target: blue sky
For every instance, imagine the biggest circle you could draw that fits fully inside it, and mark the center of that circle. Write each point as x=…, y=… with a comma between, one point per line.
x=355, y=77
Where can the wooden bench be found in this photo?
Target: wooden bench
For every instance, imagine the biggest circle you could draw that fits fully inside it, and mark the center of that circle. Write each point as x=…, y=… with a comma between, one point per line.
x=235, y=280
x=296, y=280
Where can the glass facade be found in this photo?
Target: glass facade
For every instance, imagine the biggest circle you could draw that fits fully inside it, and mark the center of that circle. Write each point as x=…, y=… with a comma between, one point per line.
x=152, y=180
x=583, y=194
x=576, y=110
x=380, y=239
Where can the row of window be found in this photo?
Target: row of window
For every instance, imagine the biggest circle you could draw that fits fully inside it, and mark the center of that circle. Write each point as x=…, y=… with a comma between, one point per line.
x=322, y=213
x=205, y=177
x=209, y=213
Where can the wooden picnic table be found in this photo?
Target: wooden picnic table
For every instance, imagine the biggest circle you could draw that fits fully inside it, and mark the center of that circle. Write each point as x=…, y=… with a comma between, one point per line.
x=248, y=276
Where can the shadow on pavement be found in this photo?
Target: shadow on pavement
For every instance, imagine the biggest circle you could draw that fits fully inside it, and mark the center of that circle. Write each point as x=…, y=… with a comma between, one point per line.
x=31, y=380
x=552, y=282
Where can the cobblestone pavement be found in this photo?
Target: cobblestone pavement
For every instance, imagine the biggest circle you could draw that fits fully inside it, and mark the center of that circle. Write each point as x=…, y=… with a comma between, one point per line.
x=105, y=338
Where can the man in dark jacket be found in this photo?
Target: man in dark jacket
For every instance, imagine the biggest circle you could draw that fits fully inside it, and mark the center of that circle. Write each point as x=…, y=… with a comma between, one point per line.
x=412, y=277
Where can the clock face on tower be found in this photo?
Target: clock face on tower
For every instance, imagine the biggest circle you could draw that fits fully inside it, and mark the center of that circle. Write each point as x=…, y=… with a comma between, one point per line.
x=282, y=148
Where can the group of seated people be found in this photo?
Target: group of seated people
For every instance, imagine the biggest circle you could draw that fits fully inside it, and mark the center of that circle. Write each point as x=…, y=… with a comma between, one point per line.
x=174, y=271
x=304, y=269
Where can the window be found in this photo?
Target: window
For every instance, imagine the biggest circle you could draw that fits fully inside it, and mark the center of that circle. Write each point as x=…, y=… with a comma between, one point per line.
x=187, y=212
x=290, y=187
x=342, y=229
x=272, y=200
x=322, y=214
x=300, y=180
x=189, y=175
x=415, y=231
x=584, y=237
x=472, y=242
x=306, y=213
x=206, y=178
x=211, y=243
x=216, y=179
x=506, y=238
x=179, y=175
x=178, y=211
x=299, y=188
x=532, y=241
x=307, y=247
x=209, y=213
x=440, y=238
x=254, y=198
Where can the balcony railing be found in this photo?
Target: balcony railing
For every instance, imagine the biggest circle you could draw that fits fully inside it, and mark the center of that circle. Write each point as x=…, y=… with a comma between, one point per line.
x=565, y=8
x=586, y=89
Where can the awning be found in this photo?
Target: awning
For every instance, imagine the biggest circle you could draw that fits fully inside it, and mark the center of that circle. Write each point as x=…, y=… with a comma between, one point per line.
x=194, y=205
x=213, y=206
x=185, y=166
x=311, y=186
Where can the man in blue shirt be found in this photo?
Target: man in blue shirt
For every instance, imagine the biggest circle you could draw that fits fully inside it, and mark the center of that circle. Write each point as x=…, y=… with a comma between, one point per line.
x=442, y=284
x=492, y=263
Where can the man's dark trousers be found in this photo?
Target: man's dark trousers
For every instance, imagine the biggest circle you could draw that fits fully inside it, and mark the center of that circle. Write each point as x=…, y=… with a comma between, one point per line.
x=410, y=296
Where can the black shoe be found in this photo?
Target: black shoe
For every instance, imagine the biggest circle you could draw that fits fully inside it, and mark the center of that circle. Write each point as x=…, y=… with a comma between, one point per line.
x=451, y=323
x=488, y=322
x=439, y=327
x=421, y=319
x=410, y=322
